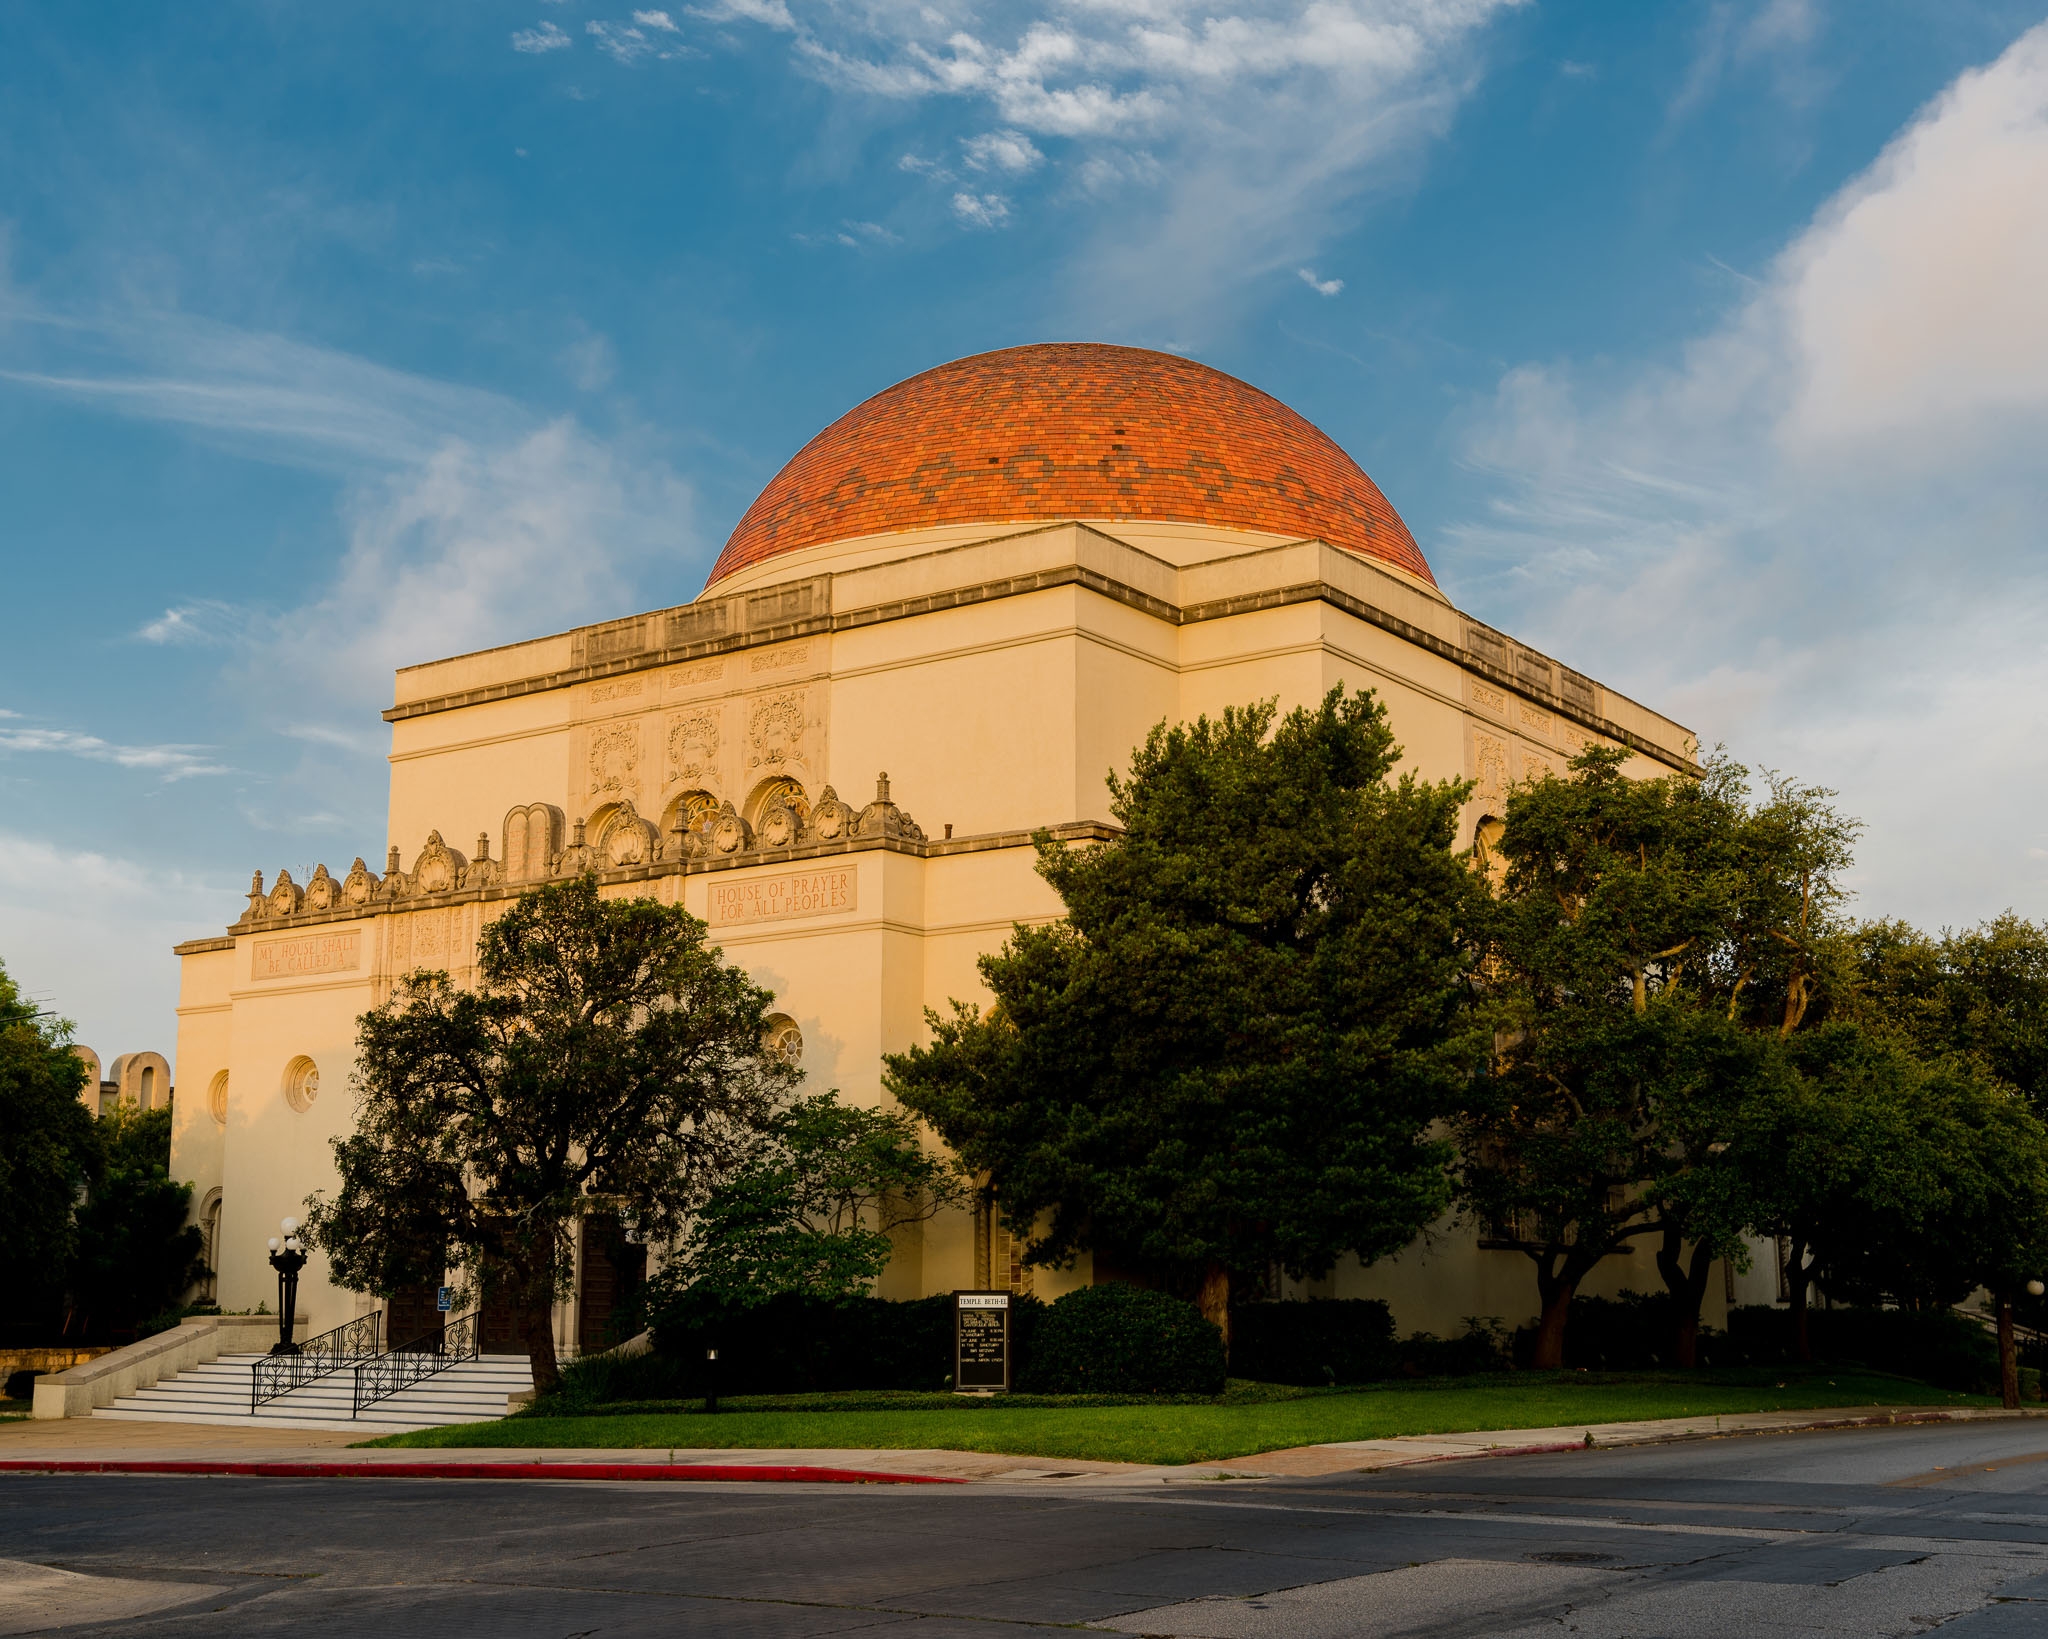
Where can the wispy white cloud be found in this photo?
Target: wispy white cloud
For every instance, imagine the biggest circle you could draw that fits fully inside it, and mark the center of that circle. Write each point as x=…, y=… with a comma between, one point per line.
x=1322, y=287
x=171, y=762
x=1823, y=535
x=981, y=210
x=1008, y=151
x=649, y=37
x=543, y=38
x=468, y=522
x=769, y=13
x=1237, y=138
x=202, y=621
x=591, y=361
x=851, y=234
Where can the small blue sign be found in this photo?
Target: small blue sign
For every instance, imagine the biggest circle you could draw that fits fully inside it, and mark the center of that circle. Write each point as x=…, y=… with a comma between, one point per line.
x=444, y=1299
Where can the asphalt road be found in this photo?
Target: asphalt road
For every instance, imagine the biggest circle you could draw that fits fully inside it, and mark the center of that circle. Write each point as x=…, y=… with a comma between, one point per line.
x=1863, y=1533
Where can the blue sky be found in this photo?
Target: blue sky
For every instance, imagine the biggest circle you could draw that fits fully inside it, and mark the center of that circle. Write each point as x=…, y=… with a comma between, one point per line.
x=1703, y=344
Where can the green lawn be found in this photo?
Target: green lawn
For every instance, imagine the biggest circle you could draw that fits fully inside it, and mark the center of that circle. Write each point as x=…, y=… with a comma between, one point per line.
x=1239, y=1425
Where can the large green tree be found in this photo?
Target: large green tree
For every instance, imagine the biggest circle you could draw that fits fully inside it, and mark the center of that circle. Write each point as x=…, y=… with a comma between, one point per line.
x=1652, y=941
x=46, y=1148
x=607, y=1054
x=1230, y=1052
x=815, y=1208
x=136, y=1255
x=1611, y=893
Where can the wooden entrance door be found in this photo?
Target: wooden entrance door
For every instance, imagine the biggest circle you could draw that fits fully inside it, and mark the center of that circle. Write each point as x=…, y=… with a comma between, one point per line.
x=612, y=1271
x=410, y=1314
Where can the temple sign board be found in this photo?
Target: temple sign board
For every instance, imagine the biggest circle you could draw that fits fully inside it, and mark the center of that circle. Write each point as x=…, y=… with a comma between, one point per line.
x=982, y=1356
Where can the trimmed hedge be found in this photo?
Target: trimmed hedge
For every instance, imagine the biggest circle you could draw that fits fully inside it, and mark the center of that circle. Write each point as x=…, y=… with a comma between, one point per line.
x=1118, y=1339
x=1313, y=1341
x=791, y=1344
x=1938, y=1346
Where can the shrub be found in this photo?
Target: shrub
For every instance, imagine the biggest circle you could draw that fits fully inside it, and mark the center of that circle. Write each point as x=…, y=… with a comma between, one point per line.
x=793, y=1343
x=1316, y=1341
x=1484, y=1347
x=1938, y=1346
x=1118, y=1339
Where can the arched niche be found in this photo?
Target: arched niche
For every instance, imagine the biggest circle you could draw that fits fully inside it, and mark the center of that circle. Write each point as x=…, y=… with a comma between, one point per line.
x=618, y=837
x=691, y=811
x=217, y=1098
x=778, y=791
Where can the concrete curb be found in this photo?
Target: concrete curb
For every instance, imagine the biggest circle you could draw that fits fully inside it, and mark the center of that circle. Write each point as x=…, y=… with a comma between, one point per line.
x=756, y=1472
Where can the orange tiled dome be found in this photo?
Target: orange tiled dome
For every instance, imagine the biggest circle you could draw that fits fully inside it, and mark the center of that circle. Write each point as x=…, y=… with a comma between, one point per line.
x=1070, y=430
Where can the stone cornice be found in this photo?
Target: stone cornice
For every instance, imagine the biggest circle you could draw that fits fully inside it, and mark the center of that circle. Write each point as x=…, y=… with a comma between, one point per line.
x=1486, y=654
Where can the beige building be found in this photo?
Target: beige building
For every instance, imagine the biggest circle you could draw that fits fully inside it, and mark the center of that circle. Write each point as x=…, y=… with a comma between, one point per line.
x=969, y=598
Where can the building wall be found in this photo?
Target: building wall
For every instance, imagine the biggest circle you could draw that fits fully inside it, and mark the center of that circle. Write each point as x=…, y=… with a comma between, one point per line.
x=996, y=681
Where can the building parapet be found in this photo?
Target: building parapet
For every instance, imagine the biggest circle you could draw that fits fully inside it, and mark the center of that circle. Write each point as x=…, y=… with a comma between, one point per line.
x=1096, y=563
x=624, y=849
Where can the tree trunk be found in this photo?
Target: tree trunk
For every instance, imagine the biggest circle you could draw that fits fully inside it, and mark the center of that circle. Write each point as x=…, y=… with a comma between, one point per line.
x=1687, y=1284
x=537, y=1331
x=1796, y=1285
x=1556, y=1291
x=1214, y=1301
x=2008, y=1356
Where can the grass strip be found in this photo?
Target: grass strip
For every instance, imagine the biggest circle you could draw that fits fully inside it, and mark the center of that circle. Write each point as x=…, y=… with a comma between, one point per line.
x=1202, y=1431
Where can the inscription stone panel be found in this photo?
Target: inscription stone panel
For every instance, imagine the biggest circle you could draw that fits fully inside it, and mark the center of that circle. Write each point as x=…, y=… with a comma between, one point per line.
x=769, y=899
x=304, y=958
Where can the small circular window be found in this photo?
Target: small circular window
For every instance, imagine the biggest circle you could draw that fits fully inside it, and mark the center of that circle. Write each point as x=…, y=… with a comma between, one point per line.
x=217, y=1098
x=782, y=1039
x=301, y=1083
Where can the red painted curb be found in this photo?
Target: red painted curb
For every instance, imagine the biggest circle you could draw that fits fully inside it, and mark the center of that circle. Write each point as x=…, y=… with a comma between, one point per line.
x=493, y=1471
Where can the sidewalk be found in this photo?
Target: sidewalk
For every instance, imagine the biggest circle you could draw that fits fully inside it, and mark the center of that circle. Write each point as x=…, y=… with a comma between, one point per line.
x=107, y=1446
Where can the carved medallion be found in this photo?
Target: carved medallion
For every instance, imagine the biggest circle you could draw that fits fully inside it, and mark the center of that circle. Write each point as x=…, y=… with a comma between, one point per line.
x=775, y=731
x=692, y=746
x=615, y=760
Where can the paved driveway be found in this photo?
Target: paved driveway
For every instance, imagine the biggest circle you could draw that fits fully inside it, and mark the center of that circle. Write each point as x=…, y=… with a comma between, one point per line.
x=1863, y=1533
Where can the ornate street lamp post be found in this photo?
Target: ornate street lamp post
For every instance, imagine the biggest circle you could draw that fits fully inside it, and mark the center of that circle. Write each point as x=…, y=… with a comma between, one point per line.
x=287, y=1259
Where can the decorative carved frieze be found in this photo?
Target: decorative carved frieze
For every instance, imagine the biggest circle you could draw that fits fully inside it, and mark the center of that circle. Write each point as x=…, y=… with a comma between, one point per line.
x=692, y=747
x=615, y=760
x=1490, y=769
x=775, y=731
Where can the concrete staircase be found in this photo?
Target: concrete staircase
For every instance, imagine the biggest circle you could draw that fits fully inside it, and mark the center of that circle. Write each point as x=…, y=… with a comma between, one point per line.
x=471, y=1391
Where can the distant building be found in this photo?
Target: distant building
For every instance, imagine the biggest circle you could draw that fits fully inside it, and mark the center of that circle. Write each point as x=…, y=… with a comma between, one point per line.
x=990, y=581
x=140, y=1079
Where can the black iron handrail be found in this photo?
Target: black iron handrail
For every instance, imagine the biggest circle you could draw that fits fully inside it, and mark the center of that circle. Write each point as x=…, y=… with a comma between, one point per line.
x=385, y=1375
x=278, y=1374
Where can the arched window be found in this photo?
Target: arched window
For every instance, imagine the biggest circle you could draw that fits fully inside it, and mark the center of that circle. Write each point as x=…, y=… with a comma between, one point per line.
x=148, y=1089
x=780, y=792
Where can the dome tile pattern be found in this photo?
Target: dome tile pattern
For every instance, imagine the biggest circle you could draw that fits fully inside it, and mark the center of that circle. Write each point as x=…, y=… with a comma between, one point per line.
x=1071, y=430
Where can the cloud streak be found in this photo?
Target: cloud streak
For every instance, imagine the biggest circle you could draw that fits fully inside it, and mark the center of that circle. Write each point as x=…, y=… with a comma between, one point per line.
x=172, y=762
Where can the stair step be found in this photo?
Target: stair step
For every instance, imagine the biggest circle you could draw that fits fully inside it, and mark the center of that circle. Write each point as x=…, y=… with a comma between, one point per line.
x=470, y=1391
